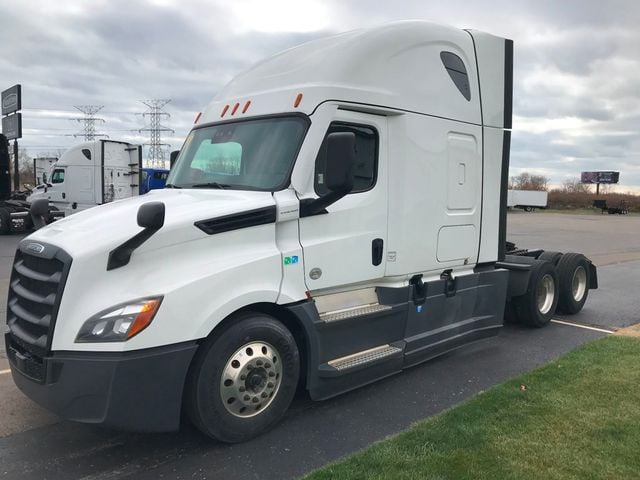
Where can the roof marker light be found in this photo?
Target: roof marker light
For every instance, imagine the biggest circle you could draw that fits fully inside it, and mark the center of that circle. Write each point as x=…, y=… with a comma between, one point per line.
x=246, y=106
x=224, y=110
x=197, y=117
x=298, y=100
x=235, y=108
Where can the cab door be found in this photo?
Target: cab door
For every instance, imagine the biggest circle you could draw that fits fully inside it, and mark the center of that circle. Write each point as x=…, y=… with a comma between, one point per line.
x=347, y=245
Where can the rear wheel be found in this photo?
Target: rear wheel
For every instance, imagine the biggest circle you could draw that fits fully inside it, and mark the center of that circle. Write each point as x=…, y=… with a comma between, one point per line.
x=243, y=380
x=5, y=221
x=550, y=256
x=538, y=304
x=574, y=280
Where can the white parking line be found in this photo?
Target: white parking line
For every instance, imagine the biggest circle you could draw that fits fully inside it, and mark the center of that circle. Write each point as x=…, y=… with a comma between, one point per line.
x=4, y=372
x=586, y=327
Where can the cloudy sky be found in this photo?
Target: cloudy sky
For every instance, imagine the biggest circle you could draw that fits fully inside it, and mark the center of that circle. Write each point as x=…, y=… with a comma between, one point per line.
x=577, y=65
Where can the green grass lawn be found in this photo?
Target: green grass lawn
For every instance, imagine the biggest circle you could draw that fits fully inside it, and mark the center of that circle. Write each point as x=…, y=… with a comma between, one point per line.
x=576, y=418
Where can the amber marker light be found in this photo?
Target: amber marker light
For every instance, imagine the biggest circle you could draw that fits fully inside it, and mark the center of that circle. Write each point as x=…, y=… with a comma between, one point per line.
x=121, y=322
x=224, y=110
x=143, y=319
x=246, y=106
x=235, y=108
x=298, y=100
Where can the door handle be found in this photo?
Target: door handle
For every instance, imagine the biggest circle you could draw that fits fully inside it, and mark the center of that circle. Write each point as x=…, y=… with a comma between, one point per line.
x=376, y=251
x=64, y=195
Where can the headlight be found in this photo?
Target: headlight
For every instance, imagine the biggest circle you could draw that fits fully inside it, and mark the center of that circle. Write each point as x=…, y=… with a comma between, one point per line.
x=121, y=322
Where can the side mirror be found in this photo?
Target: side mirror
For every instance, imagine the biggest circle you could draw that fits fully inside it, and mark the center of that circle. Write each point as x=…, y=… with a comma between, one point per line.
x=39, y=210
x=173, y=157
x=151, y=215
x=341, y=158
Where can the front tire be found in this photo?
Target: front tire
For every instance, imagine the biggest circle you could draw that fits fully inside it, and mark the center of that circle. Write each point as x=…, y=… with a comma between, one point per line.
x=244, y=379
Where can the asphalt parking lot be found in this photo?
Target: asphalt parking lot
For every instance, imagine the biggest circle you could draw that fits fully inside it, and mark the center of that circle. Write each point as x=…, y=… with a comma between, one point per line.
x=34, y=444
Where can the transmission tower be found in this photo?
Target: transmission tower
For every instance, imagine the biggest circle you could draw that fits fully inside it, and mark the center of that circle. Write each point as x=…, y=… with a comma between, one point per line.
x=155, y=115
x=89, y=121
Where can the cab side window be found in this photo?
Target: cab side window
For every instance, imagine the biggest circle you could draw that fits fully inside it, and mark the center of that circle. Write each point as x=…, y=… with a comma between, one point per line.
x=365, y=169
x=58, y=176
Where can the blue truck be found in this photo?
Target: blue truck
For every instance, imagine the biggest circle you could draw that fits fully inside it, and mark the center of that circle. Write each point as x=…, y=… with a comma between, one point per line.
x=153, y=179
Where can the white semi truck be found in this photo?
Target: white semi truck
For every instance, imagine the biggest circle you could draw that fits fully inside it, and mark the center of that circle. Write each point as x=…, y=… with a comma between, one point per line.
x=88, y=174
x=337, y=214
x=92, y=173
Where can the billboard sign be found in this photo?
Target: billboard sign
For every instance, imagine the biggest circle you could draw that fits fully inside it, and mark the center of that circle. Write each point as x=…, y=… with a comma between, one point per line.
x=12, y=126
x=599, y=177
x=12, y=99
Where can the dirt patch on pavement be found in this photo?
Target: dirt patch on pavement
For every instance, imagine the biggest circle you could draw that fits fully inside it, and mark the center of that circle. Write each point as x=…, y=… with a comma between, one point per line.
x=632, y=331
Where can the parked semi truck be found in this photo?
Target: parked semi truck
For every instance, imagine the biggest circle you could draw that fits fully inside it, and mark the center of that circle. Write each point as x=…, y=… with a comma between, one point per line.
x=527, y=200
x=89, y=174
x=336, y=215
x=153, y=179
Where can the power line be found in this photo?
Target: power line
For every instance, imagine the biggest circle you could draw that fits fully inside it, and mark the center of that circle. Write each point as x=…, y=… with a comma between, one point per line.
x=89, y=120
x=155, y=114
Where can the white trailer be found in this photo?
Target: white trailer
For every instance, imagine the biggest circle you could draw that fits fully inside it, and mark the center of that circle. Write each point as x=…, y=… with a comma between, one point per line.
x=527, y=200
x=337, y=214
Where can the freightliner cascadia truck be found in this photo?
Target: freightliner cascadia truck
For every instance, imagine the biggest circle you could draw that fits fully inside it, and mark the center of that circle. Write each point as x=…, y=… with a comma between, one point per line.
x=336, y=215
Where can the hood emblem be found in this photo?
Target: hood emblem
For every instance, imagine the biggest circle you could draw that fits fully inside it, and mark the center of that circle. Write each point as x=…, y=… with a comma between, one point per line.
x=35, y=247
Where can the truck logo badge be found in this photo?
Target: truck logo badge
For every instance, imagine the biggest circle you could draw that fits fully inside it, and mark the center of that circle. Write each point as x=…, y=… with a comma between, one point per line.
x=35, y=247
x=292, y=260
x=315, y=273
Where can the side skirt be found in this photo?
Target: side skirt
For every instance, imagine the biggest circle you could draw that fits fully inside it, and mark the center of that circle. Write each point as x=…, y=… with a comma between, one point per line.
x=351, y=347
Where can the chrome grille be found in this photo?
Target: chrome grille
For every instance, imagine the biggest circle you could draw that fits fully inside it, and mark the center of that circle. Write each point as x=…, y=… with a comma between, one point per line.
x=35, y=291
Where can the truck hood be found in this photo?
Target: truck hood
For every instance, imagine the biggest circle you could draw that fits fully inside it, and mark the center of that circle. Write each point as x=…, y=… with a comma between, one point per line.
x=102, y=228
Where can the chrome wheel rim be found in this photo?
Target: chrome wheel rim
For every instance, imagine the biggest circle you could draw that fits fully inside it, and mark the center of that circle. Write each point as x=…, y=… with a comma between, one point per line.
x=251, y=379
x=546, y=294
x=579, y=283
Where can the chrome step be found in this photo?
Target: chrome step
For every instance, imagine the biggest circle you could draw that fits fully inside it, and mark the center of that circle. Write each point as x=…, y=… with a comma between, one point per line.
x=366, y=356
x=352, y=312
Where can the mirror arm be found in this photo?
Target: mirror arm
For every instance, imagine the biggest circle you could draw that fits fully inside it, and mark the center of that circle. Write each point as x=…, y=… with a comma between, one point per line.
x=120, y=256
x=317, y=206
x=151, y=218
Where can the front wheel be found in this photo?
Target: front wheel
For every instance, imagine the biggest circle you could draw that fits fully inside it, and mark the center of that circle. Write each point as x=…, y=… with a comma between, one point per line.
x=244, y=379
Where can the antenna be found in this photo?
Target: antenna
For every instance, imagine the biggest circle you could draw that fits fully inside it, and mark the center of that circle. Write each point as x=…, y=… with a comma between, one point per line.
x=155, y=114
x=89, y=121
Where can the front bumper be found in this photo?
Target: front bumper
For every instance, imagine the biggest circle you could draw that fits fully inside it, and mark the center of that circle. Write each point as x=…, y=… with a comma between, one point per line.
x=138, y=391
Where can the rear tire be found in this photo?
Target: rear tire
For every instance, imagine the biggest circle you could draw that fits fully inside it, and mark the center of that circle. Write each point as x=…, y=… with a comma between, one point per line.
x=5, y=221
x=551, y=257
x=243, y=380
x=538, y=304
x=573, y=279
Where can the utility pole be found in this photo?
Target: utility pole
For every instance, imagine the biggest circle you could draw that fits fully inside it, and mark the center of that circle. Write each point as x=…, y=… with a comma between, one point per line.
x=155, y=115
x=89, y=121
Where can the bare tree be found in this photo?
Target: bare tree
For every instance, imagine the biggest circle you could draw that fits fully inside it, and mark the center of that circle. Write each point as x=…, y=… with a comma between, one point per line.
x=573, y=185
x=527, y=181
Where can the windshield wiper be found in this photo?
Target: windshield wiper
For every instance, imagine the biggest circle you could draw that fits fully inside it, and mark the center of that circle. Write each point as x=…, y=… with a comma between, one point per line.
x=171, y=185
x=211, y=185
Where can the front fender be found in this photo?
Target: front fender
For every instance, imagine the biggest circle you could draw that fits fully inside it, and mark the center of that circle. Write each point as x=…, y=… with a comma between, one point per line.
x=203, y=281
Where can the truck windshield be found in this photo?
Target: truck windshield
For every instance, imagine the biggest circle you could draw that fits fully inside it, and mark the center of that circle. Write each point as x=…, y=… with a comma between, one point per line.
x=253, y=154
